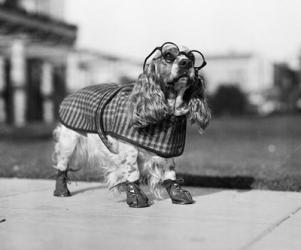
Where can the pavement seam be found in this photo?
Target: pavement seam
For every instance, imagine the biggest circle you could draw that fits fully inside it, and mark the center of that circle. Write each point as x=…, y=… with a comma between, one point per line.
x=270, y=229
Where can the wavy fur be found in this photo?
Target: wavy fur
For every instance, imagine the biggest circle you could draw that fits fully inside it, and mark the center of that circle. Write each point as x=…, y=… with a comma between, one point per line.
x=147, y=102
x=199, y=111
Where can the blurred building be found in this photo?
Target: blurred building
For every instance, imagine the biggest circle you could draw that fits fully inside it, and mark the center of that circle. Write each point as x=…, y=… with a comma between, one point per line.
x=249, y=72
x=40, y=64
x=35, y=44
x=52, y=8
x=270, y=87
x=94, y=67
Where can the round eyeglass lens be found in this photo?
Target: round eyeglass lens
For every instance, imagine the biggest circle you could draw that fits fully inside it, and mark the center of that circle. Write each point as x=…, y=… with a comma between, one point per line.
x=170, y=52
x=198, y=58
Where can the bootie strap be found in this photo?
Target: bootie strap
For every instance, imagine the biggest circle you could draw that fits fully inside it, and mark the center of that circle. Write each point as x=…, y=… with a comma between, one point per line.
x=61, y=189
x=177, y=194
x=135, y=196
x=168, y=183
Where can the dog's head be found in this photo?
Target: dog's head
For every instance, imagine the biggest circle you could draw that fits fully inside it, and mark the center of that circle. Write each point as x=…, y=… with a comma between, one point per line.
x=169, y=81
x=173, y=69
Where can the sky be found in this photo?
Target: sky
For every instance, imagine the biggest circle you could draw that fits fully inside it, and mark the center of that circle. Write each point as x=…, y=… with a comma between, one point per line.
x=132, y=28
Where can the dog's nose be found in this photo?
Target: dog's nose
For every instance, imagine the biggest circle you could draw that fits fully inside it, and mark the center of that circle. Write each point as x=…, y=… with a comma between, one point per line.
x=185, y=63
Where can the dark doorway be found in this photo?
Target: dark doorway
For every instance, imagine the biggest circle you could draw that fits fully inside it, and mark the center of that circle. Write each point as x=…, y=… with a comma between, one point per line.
x=34, y=109
x=59, y=86
x=8, y=94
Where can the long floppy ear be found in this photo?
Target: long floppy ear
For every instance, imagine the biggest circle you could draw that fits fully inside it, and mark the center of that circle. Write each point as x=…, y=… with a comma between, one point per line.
x=199, y=111
x=147, y=102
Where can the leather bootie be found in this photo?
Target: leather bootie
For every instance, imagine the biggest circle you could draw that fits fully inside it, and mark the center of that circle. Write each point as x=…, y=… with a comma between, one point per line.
x=61, y=189
x=135, y=197
x=176, y=193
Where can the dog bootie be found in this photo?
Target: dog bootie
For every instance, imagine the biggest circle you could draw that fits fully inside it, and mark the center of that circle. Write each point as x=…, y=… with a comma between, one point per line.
x=135, y=197
x=176, y=193
x=61, y=189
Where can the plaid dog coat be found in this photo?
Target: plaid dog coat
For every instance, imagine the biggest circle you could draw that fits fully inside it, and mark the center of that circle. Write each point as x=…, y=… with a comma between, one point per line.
x=102, y=109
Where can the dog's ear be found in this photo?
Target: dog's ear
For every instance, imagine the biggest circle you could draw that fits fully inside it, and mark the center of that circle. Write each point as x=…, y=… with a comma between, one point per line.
x=147, y=102
x=199, y=111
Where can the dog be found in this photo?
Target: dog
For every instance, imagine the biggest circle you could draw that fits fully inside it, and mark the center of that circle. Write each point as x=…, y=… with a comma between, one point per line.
x=134, y=131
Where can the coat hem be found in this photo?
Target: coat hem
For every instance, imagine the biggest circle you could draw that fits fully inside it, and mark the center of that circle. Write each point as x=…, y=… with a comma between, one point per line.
x=165, y=155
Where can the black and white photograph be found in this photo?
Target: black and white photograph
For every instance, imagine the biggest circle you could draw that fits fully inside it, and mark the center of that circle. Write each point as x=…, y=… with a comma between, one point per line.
x=163, y=124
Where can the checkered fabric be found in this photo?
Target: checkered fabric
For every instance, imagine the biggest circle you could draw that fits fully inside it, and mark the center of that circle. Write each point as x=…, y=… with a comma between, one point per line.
x=102, y=109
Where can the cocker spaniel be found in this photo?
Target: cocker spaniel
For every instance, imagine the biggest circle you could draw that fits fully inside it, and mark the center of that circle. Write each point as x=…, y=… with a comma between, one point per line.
x=134, y=131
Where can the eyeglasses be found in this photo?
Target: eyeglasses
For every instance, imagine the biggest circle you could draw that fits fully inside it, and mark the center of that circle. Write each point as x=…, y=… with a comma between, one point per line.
x=170, y=51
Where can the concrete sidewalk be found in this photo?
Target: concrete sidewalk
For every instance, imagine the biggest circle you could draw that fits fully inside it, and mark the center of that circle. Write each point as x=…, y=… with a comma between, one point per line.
x=93, y=219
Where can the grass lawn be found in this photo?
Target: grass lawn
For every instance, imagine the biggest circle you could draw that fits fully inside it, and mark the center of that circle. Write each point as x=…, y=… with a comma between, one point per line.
x=260, y=153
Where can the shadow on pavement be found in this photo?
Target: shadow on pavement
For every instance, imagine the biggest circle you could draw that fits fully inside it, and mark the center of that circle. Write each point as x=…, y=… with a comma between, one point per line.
x=235, y=182
x=83, y=190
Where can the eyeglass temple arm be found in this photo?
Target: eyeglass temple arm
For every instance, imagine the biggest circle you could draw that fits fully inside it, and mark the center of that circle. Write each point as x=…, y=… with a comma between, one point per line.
x=149, y=57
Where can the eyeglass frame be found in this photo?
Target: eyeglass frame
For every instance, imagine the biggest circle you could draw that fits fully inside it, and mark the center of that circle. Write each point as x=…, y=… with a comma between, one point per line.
x=179, y=52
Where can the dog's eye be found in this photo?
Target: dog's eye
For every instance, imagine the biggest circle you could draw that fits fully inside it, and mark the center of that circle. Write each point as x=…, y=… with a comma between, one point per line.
x=169, y=57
